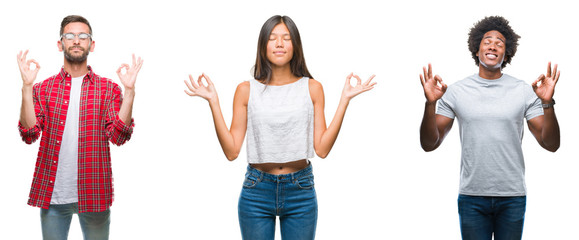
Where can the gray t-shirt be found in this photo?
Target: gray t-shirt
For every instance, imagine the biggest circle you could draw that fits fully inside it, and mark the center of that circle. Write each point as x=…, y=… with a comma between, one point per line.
x=490, y=114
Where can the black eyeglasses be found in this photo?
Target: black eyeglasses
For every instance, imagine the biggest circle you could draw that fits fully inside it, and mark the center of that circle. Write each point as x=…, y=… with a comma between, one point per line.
x=71, y=36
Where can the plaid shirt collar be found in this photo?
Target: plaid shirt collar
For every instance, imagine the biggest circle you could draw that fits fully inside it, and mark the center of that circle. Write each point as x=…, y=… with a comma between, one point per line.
x=90, y=76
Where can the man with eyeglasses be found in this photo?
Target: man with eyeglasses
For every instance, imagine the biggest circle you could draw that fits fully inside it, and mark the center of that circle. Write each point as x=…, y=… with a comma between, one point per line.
x=78, y=112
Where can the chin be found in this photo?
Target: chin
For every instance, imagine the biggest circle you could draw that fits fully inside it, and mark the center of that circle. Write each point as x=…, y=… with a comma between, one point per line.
x=280, y=63
x=492, y=65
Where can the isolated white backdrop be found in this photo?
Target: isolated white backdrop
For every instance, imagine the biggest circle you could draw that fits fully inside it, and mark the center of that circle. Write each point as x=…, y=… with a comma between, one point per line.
x=172, y=180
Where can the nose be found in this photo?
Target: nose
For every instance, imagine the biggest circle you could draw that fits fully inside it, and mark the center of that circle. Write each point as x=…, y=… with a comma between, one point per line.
x=76, y=40
x=278, y=42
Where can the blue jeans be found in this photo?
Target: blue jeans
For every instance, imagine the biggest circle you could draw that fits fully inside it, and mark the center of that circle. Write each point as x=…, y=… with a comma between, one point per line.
x=292, y=197
x=56, y=220
x=480, y=217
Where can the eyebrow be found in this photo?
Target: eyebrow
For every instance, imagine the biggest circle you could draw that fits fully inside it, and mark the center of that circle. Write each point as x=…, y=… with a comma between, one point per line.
x=283, y=34
x=75, y=33
x=502, y=40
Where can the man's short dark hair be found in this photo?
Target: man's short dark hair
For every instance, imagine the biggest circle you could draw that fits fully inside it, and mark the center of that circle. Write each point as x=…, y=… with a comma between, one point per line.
x=73, y=18
x=487, y=24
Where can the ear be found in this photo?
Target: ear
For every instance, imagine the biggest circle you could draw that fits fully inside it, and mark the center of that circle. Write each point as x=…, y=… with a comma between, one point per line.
x=91, y=46
x=60, y=46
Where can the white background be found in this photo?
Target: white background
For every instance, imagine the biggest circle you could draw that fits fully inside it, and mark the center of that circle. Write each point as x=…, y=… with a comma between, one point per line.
x=172, y=180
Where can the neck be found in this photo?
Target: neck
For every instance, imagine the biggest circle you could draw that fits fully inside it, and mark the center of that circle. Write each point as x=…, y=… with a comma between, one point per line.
x=490, y=74
x=76, y=69
x=282, y=75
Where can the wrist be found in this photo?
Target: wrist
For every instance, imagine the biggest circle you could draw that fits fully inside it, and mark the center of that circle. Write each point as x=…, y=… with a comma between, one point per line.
x=27, y=90
x=548, y=103
x=213, y=100
x=129, y=92
x=345, y=100
x=27, y=87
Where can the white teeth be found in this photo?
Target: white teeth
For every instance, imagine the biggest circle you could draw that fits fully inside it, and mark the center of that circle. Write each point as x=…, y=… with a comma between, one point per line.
x=491, y=56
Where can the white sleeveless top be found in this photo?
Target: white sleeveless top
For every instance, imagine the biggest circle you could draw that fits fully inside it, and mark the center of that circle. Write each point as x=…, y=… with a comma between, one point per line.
x=280, y=122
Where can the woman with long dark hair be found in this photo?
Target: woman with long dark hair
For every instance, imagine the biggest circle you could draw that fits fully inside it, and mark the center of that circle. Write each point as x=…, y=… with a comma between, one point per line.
x=282, y=112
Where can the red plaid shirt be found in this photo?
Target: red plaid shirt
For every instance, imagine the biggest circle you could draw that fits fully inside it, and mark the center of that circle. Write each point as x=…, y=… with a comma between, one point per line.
x=99, y=123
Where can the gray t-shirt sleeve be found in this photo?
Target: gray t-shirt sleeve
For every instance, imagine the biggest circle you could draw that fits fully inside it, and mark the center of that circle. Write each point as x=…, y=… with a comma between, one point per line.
x=534, y=105
x=445, y=106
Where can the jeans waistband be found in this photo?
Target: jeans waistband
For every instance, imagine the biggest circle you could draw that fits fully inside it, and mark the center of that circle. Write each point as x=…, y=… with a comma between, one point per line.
x=290, y=177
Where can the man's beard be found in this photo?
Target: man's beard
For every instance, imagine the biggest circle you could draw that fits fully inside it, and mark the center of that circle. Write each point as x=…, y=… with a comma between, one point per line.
x=78, y=58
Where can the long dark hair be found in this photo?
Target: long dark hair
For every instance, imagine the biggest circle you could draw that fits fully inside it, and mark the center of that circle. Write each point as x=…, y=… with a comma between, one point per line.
x=262, y=68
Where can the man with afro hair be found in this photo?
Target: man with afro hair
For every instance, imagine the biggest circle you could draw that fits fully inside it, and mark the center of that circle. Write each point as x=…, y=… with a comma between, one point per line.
x=490, y=107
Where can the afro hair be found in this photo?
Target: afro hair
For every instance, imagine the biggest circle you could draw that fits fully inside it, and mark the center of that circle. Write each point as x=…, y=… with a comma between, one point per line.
x=488, y=24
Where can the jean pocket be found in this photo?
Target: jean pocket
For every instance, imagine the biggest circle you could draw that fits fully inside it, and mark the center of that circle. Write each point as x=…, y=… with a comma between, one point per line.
x=306, y=182
x=250, y=181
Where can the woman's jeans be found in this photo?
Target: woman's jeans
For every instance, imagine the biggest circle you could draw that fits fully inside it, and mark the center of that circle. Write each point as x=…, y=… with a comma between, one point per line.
x=56, y=220
x=292, y=197
x=480, y=217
